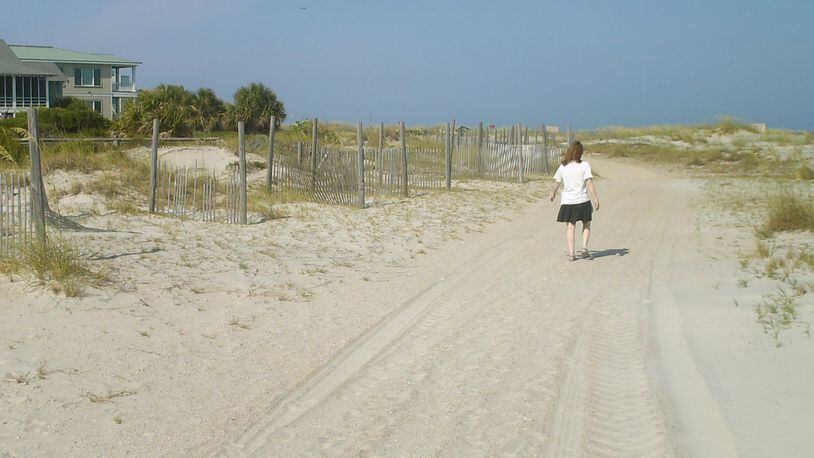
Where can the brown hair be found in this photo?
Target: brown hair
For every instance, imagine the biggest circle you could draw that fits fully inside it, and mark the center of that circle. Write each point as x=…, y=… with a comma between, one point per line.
x=572, y=154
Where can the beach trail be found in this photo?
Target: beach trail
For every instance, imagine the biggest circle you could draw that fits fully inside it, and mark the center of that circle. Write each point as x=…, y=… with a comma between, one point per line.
x=509, y=348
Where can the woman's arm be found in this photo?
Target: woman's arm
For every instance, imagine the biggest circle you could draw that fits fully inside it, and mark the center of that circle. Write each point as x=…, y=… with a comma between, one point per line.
x=592, y=190
x=554, y=192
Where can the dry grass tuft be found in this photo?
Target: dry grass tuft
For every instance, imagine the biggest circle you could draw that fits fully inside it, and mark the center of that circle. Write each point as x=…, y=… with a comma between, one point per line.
x=109, y=397
x=789, y=211
x=55, y=263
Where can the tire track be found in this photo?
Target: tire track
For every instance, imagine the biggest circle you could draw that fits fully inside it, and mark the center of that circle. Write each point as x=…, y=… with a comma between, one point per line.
x=502, y=357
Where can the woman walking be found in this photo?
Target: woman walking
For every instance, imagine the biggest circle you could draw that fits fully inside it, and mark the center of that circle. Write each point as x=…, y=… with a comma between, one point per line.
x=575, y=176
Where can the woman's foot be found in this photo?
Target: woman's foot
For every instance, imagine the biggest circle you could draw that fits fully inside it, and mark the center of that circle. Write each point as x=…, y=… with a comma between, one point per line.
x=585, y=254
x=572, y=257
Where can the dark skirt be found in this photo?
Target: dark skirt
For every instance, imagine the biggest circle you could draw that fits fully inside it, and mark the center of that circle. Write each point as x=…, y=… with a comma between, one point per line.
x=575, y=212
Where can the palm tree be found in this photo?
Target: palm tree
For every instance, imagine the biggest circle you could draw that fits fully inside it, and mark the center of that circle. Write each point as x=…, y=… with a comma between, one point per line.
x=208, y=109
x=255, y=104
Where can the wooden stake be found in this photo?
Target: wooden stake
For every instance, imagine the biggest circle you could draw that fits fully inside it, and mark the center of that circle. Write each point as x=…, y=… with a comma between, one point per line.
x=360, y=164
x=314, y=152
x=154, y=166
x=37, y=187
x=405, y=190
x=270, y=165
x=480, y=145
x=546, y=159
x=448, y=158
x=380, y=163
x=242, y=171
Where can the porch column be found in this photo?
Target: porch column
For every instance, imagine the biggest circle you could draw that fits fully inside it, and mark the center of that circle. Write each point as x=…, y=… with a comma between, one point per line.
x=133, y=77
x=47, y=93
x=14, y=94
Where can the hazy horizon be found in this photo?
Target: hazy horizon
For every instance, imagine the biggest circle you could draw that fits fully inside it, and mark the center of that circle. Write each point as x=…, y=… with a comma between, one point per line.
x=588, y=65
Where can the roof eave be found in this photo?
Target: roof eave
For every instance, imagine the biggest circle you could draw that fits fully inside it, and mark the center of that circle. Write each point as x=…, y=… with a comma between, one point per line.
x=66, y=61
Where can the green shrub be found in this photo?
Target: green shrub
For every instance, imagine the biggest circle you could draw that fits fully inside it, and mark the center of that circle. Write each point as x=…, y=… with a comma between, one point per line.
x=789, y=211
x=76, y=119
x=11, y=150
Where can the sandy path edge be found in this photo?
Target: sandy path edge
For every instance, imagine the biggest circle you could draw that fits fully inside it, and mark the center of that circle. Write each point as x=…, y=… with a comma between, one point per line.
x=702, y=430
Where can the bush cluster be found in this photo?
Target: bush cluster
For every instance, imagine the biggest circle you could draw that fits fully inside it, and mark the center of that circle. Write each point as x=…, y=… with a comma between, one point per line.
x=71, y=117
x=182, y=112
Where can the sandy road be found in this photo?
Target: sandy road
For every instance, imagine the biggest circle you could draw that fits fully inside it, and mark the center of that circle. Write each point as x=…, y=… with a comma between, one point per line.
x=514, y=350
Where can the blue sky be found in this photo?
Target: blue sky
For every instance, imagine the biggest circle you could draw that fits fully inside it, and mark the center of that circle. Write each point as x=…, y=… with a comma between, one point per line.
x=585, y=63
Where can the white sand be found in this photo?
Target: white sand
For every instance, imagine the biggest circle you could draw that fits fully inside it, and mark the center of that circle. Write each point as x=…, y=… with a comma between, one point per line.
x=448, y=324
x=213, y=158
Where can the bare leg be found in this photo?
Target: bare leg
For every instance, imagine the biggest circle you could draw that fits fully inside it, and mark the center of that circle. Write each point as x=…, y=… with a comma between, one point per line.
x=586, y=233
x=569, y=236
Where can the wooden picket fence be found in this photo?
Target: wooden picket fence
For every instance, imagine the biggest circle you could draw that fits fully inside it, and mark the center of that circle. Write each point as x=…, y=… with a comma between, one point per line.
x=345, y=176
x=197, y=194
x=335, y=177
x=16, y=223
x=501, y=161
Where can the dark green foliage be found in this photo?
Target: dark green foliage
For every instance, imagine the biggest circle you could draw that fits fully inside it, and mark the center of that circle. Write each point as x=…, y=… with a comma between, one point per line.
x=63, y=102
x=179, y=111
x=254, y=105
x=170, y=104
x=76, y=119
x=208, y=109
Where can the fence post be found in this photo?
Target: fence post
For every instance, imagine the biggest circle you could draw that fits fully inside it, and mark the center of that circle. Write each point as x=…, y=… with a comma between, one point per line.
x=454, y=134
x=546, y=159
x=270, y=165
x=521, y=165
x=242, y=172
x=299, y=152
x=37, y=188
x=448, y=158
x=380, y=162
x=570, y=135
x=314, y=152
x=480, y=145
x=154, y=166
x=360, y=163
x=404, y=173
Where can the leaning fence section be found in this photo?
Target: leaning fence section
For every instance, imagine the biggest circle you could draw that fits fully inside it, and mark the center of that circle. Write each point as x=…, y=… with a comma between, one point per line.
x=16, y=222
x=197, y=194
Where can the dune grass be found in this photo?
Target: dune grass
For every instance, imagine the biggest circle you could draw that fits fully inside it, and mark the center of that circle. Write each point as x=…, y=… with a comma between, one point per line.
x=55, y=263
x=788, y=211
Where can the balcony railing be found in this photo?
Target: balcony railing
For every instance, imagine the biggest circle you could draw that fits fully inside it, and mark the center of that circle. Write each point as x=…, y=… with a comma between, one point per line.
x=124, y=87
x=8, y=102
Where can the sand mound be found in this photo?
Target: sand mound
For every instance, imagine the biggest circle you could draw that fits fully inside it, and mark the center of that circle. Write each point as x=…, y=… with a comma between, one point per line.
x=213, y=158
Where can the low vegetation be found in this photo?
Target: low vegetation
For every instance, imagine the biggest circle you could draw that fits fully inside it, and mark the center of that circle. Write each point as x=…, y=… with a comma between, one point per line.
x=72, y=118
x=789, y=211
x=56, y=264
x=182, y=112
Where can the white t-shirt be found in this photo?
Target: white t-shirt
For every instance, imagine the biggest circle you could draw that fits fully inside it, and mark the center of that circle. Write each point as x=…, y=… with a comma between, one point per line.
x=574, y=178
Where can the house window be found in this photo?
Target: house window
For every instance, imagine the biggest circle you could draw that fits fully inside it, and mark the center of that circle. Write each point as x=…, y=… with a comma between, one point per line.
x=96, y=105
x=87, y=76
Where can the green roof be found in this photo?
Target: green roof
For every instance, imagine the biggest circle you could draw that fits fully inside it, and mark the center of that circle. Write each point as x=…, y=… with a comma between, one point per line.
x=10, y=64
x=51, y=54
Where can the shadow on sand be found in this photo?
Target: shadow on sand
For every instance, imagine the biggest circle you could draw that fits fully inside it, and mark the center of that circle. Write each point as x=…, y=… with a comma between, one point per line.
x=610, y=252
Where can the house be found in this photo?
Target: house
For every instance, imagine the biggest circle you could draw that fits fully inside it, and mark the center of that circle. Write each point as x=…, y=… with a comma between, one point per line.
x=37, y=75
